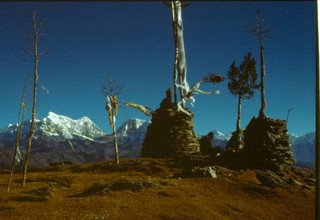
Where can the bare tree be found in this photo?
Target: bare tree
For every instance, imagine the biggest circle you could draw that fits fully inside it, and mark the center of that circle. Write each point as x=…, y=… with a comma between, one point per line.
x=262, y=33
x=195, y=89
x=180, y=66
x=288, y=113
x=34, y=51
x=110, y=91
x=21, y=114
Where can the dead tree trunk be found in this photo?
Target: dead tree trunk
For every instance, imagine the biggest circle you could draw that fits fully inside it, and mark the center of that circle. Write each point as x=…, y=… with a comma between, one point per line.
x=21, y=114
x=112, y=109
x=110, y=90
x=181, y=63
x=288, y=113
x=239, y=112
x=175, y=70
x=262, y=34
x=116, y=152
x=262, y=75
x=36, y=29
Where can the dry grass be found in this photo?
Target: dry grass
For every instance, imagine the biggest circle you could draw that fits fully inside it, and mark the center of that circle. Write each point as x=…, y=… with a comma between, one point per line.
x=148, y=189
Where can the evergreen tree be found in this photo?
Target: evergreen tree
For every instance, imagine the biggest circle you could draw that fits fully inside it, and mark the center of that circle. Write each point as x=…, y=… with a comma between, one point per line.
x=242, y=81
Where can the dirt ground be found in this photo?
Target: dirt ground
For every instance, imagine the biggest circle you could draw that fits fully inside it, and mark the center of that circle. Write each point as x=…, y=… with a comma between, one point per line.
x=148, y=189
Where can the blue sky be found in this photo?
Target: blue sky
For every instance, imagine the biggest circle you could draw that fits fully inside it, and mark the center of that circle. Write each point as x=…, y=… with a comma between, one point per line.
x=133, y=42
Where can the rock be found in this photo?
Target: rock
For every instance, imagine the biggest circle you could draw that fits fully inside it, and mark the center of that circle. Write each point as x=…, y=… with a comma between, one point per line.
x=235, y=143
x=297, y=182
x=267, y=145
x=233, y=156
x=309, y=188
x=206, y=144
x=204, y=171
x=311, y=180
x=212, y=172
x=269, y=178
x=170, y=133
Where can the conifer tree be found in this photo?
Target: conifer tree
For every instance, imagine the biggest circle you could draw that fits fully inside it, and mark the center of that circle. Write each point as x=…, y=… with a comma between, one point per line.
x=242, y=82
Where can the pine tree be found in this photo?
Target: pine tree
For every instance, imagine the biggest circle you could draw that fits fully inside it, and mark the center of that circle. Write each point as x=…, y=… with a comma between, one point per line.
x=242, y=81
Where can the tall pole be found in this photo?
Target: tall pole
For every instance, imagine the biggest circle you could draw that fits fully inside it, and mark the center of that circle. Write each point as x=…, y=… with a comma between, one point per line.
x=182, y=64
x=262, y=34
x=175, y=70
x=18, y=136
x=116, y=153
x=33, y=115
x=239, y=112
x=262, y=75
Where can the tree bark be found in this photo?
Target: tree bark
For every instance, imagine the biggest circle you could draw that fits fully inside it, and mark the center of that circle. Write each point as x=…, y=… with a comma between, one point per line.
x=116, y=153
x=262, y=71
x=18, y=136
x=175, y=70
x=182, y=66
x=239, y=113
x=33, y=115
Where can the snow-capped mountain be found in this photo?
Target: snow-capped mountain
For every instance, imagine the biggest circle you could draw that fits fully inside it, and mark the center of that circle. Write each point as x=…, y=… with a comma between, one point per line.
x=58, y=125
x=60, y=138
x=304, y=149
x=133, y=131
x=220, y=139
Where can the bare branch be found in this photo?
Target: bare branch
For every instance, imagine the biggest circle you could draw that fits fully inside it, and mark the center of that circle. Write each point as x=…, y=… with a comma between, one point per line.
x=111, y=88
x=184, y=4
x=45, y=52
x=259, y=30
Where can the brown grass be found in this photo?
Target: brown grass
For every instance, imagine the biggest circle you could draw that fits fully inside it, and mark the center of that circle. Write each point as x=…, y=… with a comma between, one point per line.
x=148, y=189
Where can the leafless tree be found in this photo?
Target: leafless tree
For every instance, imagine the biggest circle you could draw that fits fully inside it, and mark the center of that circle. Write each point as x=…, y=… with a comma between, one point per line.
x=180, y=66
x=288, y=113
x=110, y=91
x=21, y=114
x=34, y=51
x=262, y=33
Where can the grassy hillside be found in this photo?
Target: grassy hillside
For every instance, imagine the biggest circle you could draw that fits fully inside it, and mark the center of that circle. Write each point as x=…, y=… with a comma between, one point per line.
x=150, y=189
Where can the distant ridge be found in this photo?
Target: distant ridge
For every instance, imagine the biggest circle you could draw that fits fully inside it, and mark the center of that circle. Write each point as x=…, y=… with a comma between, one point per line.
x=60, y=138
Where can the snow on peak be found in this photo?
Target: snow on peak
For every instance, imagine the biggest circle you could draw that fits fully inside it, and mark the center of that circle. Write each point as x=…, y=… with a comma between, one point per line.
x=59, y=125
x=219, y=135
x=56, y=119
x=133, y=130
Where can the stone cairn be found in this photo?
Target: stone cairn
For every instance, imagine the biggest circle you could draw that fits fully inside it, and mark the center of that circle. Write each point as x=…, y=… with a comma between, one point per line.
x=233, y=157
x=235, y=143
x=267, y=145
x=171, y=134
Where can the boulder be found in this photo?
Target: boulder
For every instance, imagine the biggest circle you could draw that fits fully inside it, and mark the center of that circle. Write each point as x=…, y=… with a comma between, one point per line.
x=204, y=172
x=268, y=178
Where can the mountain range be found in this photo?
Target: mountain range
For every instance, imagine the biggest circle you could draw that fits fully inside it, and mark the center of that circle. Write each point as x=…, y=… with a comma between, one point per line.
x=59, y=138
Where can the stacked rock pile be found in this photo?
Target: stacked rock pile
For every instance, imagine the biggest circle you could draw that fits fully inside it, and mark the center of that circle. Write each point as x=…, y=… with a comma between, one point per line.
x=267, y=145
x=170, y=133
